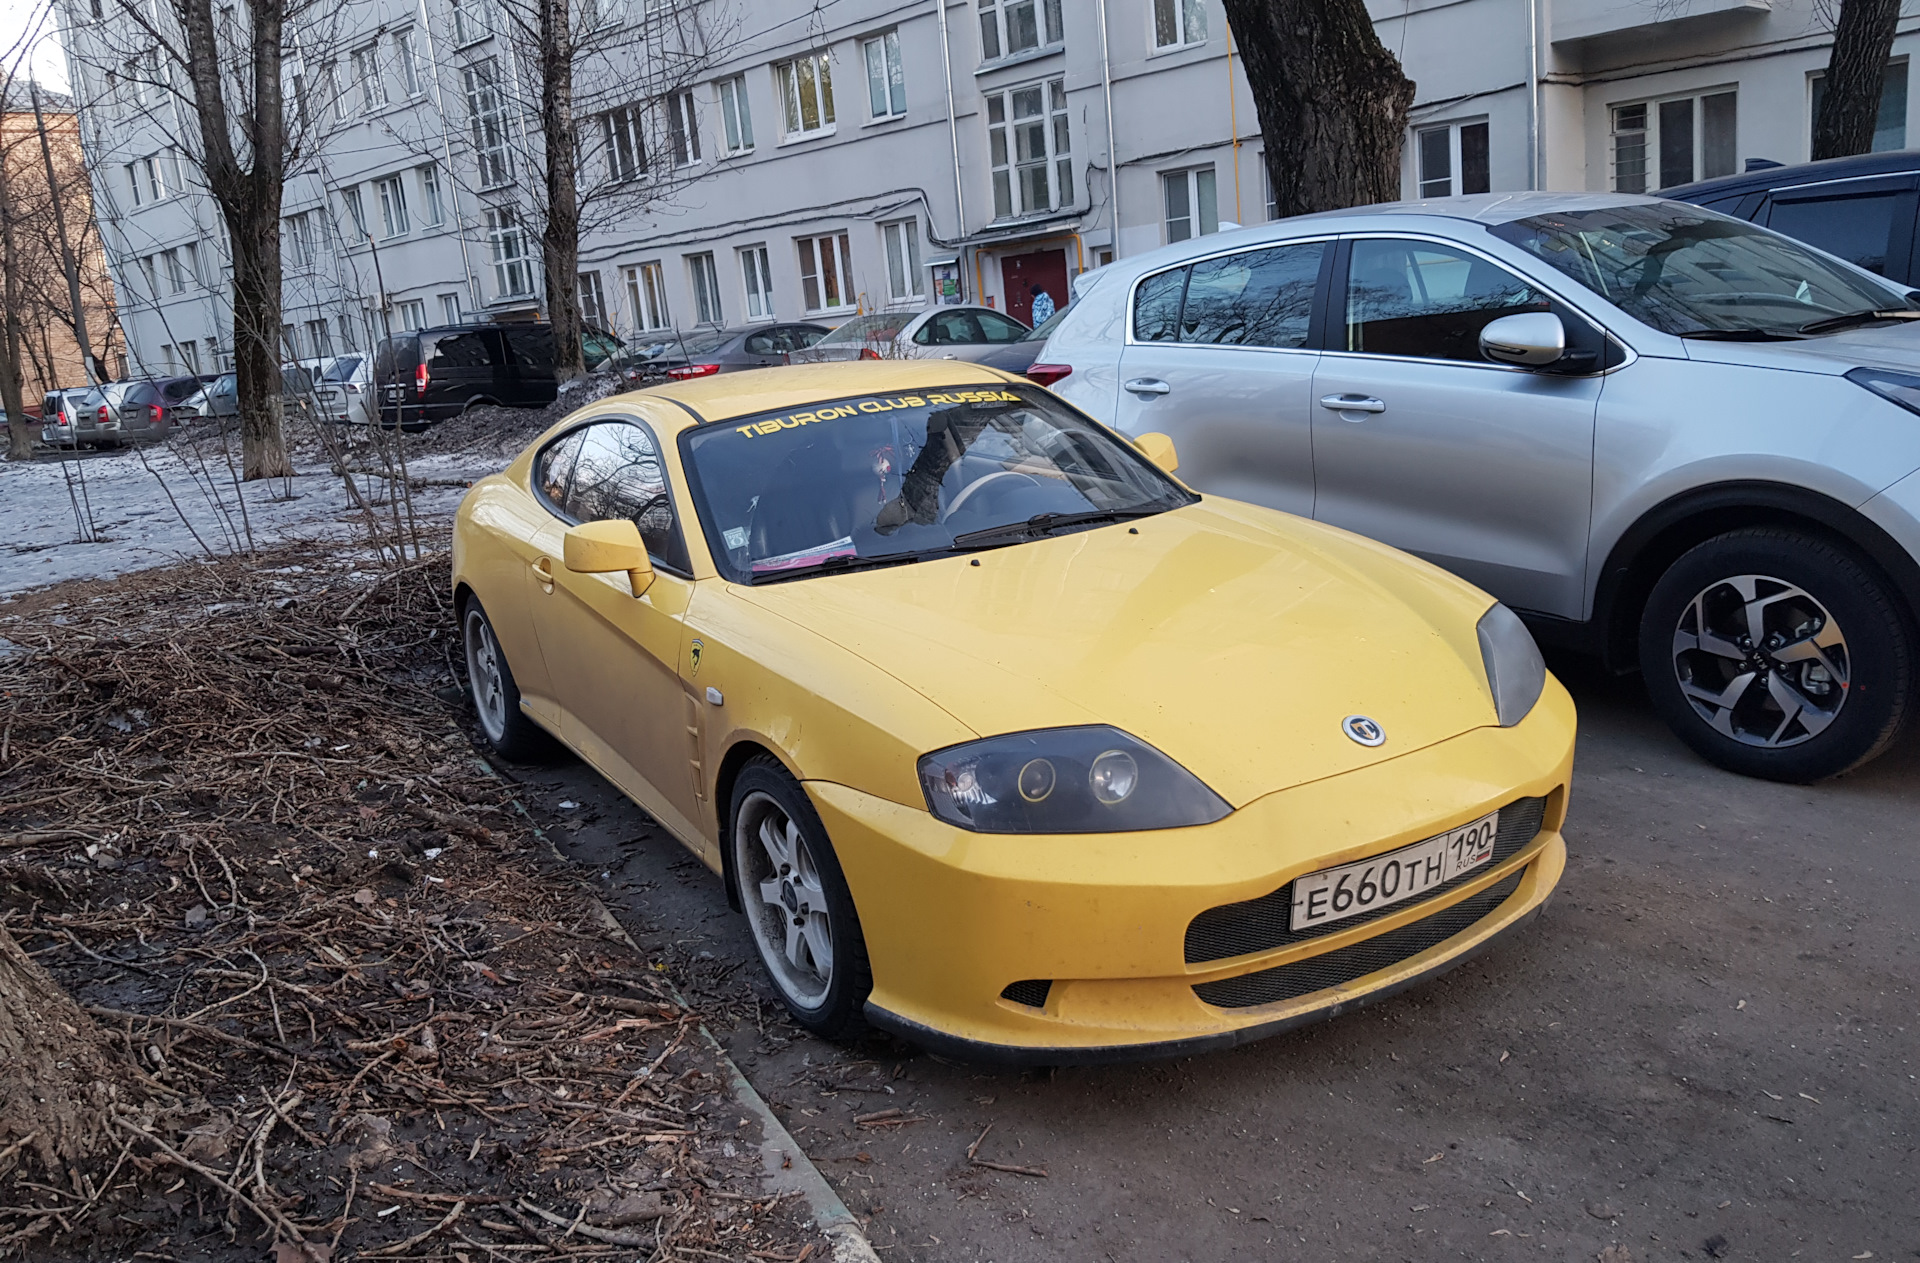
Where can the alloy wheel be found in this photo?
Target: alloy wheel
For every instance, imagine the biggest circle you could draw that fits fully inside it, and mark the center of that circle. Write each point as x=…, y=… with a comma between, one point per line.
x=484, y=676
x=1761, y=661
x=786, y=903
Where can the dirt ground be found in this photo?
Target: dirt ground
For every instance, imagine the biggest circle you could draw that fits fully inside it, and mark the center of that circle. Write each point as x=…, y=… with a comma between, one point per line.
x=1705, y=1048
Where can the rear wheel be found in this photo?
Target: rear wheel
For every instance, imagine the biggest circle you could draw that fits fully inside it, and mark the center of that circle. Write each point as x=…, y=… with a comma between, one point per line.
x=797, y=902
x=1778, y=654
x=496, y=698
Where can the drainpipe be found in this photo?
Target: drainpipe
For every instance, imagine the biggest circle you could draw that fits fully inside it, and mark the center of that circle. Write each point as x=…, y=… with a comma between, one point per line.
x=953, y=127
x=1533, y=94
x=452, y=189
x=1113, y=160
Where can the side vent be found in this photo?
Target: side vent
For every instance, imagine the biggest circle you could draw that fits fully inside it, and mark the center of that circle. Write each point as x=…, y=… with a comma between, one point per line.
x=1031, y=992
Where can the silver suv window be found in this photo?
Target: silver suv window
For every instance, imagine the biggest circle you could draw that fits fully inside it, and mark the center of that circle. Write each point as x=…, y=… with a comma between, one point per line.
x=1420, y=298
x=1254, y=298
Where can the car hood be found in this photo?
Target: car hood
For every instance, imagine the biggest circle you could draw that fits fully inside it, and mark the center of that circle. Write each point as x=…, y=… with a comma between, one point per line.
x=1893, y=346
x=1232, y=638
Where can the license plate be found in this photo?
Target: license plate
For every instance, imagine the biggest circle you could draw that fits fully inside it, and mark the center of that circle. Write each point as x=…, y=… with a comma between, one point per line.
x=1334, y=894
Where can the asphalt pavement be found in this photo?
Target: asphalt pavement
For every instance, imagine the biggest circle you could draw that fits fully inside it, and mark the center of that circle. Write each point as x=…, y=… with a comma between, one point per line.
x=1706, y=1047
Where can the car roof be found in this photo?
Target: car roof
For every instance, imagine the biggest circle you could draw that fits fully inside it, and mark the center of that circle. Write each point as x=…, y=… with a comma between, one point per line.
x=726, y=396
x=1853, y=167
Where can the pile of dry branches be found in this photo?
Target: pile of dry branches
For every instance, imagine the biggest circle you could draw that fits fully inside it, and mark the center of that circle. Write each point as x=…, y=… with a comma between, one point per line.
x=363, y=1010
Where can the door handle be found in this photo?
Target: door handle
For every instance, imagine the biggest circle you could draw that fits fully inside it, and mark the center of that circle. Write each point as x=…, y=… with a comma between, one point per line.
x=1147, y=386
x=1352, y=403
x=543, y=571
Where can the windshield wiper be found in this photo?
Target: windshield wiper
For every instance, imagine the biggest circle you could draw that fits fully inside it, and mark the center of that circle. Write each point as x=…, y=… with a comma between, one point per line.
x=849, y=561
x=1832, y=324
x=1741, y=335
x=1041, y=524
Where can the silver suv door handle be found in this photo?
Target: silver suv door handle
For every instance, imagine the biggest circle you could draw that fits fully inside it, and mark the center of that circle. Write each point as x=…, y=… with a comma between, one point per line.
x=1147, y=386
x=1352, y=403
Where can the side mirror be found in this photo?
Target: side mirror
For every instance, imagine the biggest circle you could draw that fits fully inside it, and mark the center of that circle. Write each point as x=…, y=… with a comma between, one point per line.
x=1158, y=448
x=604, y=547
x=1530, y=339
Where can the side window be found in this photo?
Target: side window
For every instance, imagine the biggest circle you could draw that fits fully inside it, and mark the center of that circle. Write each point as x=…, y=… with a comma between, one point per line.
x=531, y=347
x=1156, y=306
x=1421, y=299
x=555, y=466
x=800, y=337
x=460, y=350
x=1260, y=298
x=1859, y=229
x=763, y=344
x=619, y=474
x=998, y=328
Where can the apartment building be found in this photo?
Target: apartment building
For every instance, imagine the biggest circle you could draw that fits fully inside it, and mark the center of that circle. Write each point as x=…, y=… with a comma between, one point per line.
x=756, y=161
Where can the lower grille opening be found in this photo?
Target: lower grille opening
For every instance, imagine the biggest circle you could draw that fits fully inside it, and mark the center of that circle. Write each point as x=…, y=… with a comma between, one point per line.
x=1029, y=991
x=1259, y=925
x=1356, y=960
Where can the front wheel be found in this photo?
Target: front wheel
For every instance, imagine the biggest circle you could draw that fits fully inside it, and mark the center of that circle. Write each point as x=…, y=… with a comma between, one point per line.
x=1777, y=654
x=797, y=902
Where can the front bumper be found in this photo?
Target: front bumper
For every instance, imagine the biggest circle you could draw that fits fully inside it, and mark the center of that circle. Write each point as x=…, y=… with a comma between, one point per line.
x=952, y=918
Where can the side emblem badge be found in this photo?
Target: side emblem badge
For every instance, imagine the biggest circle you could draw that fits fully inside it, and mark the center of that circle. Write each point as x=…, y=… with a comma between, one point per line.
x=693, y=667
x=1363, y=730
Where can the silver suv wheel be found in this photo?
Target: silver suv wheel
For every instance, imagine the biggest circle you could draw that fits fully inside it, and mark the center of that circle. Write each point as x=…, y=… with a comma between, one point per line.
x=1761, y=661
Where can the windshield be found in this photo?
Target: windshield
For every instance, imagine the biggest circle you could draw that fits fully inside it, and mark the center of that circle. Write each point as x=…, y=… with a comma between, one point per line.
x=880, y=328
x=342, y=369
x=884, y=478
x=1687, y=271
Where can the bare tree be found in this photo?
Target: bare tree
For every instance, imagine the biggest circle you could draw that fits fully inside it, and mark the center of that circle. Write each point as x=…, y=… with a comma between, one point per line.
x=1850, y=98
x=12, y=262
x=1332, y=101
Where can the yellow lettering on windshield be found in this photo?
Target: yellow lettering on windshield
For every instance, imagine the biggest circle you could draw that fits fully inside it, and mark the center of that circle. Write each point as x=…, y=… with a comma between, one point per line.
x=870, y=406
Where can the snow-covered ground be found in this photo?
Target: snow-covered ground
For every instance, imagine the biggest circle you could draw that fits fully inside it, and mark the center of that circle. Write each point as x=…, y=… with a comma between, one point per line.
x=137, y=526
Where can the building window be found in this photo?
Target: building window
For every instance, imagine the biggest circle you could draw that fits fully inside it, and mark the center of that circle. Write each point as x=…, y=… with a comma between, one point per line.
x=1453, y=159
x=806, y=94
x=290, y=338
x=189, y=356
x=366, y=73
x=1890, y=124
x=886, y=81
x=299, y=235
x=1193, y=208
x=826, y=272
x=902, y=241
x=1179, y=23
x=1659, y=144
x=133, y=182
x=1014, y=26
x=408, y=58
x=332, y=102
x=472, y=21
x=190, y=261
x=735, y=115
x=508, y=240
x=487, y=107
x=1029, y=145
x=319, y=337
x=759, y=282
x=593, y=304
x=626, y=144
x=683, y=129
x=356, y=213
x=647, y=293
x=449, y=309
x=393, y=206
x=430, y=202
x=176, y=273
x=706, y=289
x=410, y=314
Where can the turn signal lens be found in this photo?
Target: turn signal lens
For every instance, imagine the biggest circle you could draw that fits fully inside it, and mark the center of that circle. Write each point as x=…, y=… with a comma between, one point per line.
x=1048, y=374
x=420, y=378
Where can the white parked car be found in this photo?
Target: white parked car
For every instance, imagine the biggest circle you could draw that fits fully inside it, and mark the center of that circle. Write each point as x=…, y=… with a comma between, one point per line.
x=939, y=333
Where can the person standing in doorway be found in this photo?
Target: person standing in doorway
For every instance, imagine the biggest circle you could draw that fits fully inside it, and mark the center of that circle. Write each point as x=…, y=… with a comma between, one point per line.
x=1042, y=305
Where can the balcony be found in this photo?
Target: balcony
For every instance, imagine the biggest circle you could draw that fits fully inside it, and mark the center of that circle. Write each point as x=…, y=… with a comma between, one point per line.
x=1574, y=20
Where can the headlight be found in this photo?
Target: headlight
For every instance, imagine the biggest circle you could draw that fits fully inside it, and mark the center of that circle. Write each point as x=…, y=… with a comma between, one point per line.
x=1898, y=388
x=1515, y=670
x=1064, y=780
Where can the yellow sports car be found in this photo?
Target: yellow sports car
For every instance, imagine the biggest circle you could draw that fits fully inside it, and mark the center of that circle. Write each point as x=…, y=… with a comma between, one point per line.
x=1003, y=739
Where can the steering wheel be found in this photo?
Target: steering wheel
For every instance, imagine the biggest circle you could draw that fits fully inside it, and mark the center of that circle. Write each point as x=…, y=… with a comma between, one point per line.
x=967, y=492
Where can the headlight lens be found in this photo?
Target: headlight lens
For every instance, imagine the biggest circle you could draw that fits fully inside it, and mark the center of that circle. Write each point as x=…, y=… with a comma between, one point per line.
x=1515, y=670
x=1898, y=388
x=1064, y=780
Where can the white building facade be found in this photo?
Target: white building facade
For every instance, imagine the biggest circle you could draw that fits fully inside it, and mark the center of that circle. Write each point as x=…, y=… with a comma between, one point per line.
x=811, y=162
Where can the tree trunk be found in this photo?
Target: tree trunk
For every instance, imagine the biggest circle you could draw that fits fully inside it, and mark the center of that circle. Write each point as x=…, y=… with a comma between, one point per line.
x=1850, y=101
x=258, y=382
x=560, y=241
x=1332, y=101
x=12, y=384
x=58, y=1075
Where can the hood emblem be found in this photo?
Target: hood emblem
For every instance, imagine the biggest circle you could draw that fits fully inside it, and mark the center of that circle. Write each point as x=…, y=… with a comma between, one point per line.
x=1363, y=730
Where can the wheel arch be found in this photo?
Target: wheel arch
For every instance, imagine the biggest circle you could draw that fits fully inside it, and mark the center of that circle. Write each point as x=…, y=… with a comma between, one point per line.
x=738, y=755
x=1662, y=534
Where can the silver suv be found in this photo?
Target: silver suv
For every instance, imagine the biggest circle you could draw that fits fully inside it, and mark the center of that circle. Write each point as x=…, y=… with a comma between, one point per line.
x=1670, y=438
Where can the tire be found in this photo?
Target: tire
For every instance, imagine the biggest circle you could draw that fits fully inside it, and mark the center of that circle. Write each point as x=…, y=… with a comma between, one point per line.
x=1827, y=686
x=495, y=697
x=770, y=817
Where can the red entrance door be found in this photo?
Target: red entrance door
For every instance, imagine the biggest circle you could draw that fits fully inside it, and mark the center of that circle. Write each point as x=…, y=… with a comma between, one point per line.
x=1019, y=273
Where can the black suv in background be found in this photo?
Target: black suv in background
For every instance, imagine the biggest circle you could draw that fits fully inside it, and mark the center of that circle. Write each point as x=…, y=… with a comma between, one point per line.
x=1859, y=208
x=432, y=374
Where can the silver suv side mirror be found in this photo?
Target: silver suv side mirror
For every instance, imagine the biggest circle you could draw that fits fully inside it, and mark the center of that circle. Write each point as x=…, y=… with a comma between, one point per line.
x=1530, y=339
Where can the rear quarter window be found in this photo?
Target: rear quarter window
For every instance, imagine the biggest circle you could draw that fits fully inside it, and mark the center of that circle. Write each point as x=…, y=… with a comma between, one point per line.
x=461, y=350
